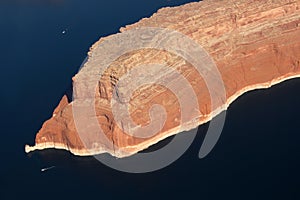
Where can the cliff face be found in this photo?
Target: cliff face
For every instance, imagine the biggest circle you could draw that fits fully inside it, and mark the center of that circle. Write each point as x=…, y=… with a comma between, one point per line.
x=255, y=44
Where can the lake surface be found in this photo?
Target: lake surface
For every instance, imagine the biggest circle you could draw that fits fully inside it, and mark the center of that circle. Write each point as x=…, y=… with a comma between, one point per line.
x=257, y=156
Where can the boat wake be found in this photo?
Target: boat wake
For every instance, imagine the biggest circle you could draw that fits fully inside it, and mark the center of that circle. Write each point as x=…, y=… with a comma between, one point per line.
x=47, y=168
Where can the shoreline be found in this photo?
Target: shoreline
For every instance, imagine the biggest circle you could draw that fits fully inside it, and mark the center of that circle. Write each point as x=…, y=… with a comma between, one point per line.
x=254, y=46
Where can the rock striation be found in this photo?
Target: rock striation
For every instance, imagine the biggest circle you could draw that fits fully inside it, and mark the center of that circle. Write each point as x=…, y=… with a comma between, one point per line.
x=255, y=44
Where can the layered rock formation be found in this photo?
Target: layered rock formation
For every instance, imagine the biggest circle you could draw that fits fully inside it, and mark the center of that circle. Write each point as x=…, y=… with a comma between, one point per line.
x=255, y=44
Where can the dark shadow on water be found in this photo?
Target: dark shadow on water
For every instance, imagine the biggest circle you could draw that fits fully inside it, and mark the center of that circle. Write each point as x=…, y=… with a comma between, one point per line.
x=201, y=132
x=69, y=93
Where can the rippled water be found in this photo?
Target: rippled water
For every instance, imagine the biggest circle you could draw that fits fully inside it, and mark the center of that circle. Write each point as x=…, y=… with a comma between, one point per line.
x=257, y=155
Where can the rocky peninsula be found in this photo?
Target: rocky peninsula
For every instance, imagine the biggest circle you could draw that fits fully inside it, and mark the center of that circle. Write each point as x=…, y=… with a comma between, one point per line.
x=254, y=44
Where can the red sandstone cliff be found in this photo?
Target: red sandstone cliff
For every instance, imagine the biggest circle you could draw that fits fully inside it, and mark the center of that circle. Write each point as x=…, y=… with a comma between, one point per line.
x=255, y=44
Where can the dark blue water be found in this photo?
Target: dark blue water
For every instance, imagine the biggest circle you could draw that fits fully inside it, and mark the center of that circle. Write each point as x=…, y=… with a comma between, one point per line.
x=257, y=156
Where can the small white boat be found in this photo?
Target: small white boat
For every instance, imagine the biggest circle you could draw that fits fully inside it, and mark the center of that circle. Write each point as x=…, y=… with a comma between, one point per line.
x=64, y=31
x=47, y=168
